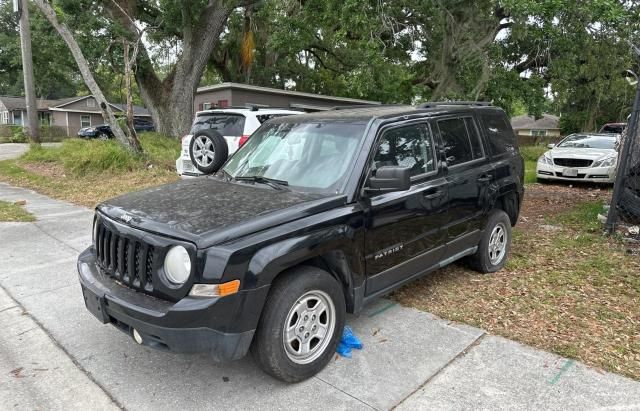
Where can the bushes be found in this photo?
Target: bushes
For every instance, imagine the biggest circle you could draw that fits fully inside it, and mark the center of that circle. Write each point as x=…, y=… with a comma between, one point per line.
x=78, y=156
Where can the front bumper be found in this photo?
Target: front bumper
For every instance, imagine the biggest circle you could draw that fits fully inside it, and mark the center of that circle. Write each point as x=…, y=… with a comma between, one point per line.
x=604, y=175
x=222, y=327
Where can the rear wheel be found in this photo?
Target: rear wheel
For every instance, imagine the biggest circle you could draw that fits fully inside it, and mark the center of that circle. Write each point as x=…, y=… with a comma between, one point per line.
x=208, y=151
x=300, y=326
x=494, y=245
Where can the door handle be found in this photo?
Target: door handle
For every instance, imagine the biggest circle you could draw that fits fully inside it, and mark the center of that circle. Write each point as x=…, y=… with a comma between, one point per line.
x=430, y=195
x=485, y=178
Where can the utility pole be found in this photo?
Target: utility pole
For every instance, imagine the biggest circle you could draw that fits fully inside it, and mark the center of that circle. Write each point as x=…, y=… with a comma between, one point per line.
x=21, y=7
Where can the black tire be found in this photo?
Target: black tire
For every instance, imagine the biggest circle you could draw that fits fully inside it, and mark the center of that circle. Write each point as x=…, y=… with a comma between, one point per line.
x=542, y=180
x=215, y=143
x=482, y=260
x=290, y=290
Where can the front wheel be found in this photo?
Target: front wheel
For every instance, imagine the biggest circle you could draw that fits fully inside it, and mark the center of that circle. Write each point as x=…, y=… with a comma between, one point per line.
x=494, y=245
x=301, y=324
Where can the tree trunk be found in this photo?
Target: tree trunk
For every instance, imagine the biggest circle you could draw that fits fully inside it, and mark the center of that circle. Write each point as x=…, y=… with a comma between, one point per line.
x=91, y=83
x=127, y=75
x=170, y=100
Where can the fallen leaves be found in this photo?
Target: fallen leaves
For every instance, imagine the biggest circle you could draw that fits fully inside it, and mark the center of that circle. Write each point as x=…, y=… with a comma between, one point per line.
x=567, y=290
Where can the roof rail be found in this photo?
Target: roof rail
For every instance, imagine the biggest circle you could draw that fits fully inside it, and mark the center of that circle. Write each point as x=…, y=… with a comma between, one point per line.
x=365, y=106
x=430, y=104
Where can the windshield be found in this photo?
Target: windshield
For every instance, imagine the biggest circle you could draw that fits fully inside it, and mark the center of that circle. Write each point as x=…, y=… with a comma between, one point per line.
x=307, y=156
x=587, y=141
x=227, y=124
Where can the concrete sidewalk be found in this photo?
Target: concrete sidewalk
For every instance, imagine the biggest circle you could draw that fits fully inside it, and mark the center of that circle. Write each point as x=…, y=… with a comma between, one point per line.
x=411, y=359
x=10, y=151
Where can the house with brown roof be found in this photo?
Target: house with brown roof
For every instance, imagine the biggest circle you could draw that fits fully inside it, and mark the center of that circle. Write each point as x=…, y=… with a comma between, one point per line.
x=245, y=95
x=70, y=114
x=532, y=130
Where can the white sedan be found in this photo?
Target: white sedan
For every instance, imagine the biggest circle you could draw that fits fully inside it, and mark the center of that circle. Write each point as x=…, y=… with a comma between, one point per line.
x=589, y=157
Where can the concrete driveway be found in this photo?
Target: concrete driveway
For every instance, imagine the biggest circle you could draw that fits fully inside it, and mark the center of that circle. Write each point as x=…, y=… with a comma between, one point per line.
x=10, y=151
x=55, y=355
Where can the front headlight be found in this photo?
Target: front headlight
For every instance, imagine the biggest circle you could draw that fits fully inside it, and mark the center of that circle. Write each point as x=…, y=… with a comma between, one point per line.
x=177, y=265
x=545, y=159
x=605, y=162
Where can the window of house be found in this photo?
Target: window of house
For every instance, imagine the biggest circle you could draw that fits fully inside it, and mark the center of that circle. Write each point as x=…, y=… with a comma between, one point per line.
x=4, y=118
x=223, y=103
x=460, y=145
x=85, y=120
x=206, y=106
x=43, y=118
x=539, y=133
x=408, y=146
x=17, y=118
x=91, y=102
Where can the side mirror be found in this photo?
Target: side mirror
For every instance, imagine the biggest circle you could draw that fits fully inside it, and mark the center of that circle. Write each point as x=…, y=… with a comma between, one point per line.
x=551, y=145
x=389, y=179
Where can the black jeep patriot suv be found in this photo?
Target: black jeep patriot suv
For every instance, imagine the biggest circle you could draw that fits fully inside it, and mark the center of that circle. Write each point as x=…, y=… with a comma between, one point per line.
x=312, y=218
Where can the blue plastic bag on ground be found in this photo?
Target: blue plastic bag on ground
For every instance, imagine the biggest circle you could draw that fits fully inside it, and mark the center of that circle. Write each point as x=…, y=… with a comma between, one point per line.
x=348, y=342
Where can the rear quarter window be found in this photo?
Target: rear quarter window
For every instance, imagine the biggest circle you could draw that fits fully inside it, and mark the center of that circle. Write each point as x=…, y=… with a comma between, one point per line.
x=224, y=123
x=500, y=135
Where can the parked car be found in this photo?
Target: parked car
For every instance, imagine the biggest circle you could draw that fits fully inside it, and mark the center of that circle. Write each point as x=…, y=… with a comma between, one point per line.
x=615, y=128
x=103, y=131
x=314, y=217
x=216, y=134
x=581, y=157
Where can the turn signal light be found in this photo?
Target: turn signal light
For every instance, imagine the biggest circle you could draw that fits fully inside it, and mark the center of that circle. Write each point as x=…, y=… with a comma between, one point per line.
x=215, y=290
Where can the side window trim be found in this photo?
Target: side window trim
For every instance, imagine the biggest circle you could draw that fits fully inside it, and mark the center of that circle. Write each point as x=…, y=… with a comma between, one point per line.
x=479, y=139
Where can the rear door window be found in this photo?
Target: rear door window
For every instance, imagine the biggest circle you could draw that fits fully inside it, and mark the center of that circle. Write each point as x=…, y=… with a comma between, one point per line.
x=460, y=139
x=500, y=136
x=227, y=124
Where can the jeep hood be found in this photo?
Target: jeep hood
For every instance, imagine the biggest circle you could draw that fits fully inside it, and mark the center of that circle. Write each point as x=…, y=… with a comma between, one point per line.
x=209, y=211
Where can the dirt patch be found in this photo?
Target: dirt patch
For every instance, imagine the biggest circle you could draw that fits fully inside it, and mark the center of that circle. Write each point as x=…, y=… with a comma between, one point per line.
x=544, y=200
x=45, y=169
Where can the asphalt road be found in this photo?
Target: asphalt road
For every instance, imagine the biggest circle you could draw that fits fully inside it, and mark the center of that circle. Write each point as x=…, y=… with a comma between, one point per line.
x=55, y=355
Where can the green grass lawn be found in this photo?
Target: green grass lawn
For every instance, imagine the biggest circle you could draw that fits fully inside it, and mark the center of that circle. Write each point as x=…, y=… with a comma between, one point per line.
x=531, y=155
x=10, y=212
x=89, y=171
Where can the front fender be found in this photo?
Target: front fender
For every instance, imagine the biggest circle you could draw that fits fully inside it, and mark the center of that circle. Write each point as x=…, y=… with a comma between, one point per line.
x=338, y=249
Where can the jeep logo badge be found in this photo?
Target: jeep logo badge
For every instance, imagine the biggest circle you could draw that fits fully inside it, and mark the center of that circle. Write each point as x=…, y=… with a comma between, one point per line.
x=126, y=218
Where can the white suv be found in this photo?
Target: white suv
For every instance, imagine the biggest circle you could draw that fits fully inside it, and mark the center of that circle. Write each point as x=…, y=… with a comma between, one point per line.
x=218, y=133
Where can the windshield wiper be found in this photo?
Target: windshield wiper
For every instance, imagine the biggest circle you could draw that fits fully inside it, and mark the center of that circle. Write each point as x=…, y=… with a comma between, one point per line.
x=227, y=175
x=271, y=182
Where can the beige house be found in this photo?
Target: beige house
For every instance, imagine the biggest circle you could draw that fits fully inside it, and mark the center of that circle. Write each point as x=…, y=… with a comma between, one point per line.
x=244, y=95
x=531, y=130
x=70, y=114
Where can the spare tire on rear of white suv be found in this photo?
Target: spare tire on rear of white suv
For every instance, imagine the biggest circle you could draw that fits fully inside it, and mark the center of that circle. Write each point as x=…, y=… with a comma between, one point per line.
x=208, y=151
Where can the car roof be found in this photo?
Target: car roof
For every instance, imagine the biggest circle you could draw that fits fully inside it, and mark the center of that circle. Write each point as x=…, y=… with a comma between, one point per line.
x=248, y=111
x=590, y=134
x=365, y=114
